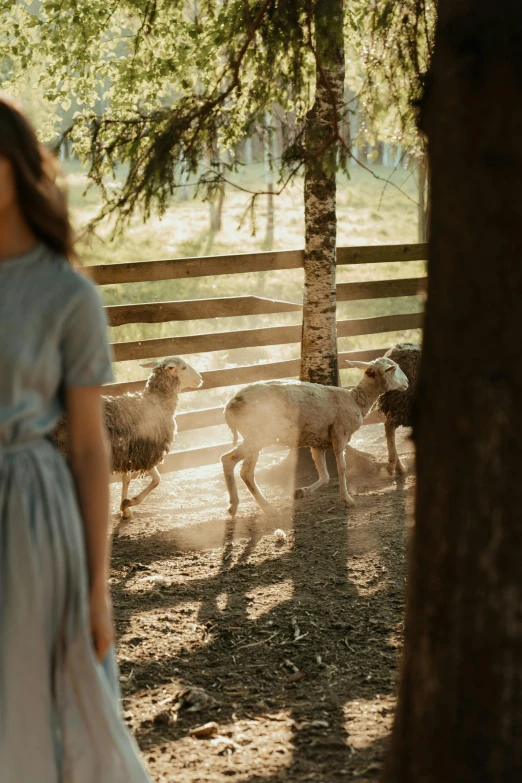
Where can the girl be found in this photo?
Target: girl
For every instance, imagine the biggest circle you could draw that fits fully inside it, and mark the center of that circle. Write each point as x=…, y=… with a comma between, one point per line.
x=59, y=714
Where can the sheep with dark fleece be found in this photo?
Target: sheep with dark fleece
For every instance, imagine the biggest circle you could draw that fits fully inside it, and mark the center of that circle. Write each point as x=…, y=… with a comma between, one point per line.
x=141, y=426
x=397, y=406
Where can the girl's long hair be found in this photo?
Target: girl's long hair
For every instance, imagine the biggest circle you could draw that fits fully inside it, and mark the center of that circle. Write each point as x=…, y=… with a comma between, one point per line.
x=41, y=200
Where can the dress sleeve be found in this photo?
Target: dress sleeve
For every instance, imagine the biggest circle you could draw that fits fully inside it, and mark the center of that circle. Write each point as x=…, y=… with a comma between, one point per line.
x=86, y=354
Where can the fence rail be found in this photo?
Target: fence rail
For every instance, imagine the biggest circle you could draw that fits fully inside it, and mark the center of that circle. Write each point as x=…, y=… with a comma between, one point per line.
x=235, y=306
x=231, y=306
x=239, y=263
x=250, y=373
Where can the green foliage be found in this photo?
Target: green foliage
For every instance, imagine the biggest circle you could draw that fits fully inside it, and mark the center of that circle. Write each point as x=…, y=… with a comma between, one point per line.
x=169, y=88
x=394, y=39
x=162, y=85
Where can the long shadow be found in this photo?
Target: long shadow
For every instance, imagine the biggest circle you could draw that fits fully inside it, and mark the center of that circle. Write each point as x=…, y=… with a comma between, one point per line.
x=330, y=629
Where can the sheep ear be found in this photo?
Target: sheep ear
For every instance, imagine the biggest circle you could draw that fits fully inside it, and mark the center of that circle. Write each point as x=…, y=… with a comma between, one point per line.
x=390, y=369
x=359, y=365
x=149, y=365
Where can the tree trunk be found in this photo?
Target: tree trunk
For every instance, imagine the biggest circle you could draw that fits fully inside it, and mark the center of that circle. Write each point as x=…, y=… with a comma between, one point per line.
x=459, y=716
x=66, y=149
x=269, y=180
x=319, y=341
x=216, y=197
x=422, y=198
x=184, y=189
x=248, y=151
x=216, y=209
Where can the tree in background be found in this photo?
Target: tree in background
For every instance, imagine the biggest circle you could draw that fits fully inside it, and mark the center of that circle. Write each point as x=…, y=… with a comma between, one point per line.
x=268, y=161
x=394, y=43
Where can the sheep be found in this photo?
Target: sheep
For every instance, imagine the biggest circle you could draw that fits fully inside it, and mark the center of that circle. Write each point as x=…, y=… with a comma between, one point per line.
x=300, y=414
x=141, y=426
x=397, y=405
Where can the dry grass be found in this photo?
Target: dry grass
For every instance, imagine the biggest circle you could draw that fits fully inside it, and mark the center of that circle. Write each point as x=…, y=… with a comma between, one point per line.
x=369, y=213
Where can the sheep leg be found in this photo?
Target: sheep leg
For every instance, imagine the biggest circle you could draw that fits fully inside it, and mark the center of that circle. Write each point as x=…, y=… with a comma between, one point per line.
x=247, y=474
x=135, y=501
x=319, y=457
x=341, y=470
x=394, y=463
x=126, y=513
x=229, y=462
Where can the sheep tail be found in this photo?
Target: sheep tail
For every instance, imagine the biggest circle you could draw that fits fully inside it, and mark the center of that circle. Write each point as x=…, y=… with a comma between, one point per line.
x=229, y=418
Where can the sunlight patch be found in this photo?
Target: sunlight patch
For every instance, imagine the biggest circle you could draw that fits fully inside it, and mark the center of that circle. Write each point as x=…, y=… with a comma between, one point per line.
x=368, y=573
x=368, y=720
x=263, y=599
x=222, y=602
x=163, y=633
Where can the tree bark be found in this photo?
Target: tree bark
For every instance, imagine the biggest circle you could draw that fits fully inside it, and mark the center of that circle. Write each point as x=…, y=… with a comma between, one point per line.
x=248, y=152
x=218, y=196
x=459, y=715
x=422, y=211
x=269, y=180
x=319, y=341
x=216, y=210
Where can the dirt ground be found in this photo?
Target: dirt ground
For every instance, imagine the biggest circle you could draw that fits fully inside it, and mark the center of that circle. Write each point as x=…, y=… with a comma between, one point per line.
x=294, y=639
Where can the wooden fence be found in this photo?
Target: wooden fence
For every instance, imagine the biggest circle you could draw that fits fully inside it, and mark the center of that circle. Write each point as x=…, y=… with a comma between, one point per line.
x=234, y=306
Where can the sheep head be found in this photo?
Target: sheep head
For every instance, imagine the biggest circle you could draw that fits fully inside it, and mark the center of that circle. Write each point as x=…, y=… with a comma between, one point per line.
x=174, y=372
x=385, y=372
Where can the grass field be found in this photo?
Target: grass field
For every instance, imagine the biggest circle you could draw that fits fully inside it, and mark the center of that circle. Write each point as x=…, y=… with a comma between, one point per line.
x=370, y=212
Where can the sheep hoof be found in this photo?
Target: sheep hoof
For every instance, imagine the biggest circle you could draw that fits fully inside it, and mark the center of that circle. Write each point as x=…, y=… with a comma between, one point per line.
x=390, y=467
x=349, y=502
x=399, y=468
x=301, y=493
x=126, y=513
x=232, y=509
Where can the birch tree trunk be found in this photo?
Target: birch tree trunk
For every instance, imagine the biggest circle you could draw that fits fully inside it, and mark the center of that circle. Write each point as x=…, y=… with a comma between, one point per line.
x=319, y=341
x=459, y=716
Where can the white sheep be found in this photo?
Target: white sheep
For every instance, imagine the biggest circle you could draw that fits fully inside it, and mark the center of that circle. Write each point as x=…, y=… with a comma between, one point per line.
x=141, y=426
x=297, y=414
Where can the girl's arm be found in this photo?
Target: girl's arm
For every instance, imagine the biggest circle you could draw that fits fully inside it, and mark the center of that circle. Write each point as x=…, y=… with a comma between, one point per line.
x=90, y=465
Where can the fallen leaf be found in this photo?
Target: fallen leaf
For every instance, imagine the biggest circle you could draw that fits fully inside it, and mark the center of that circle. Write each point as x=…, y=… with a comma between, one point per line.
x=370, y=768
x=297, y=676
x=226, y=742
x=207, y=730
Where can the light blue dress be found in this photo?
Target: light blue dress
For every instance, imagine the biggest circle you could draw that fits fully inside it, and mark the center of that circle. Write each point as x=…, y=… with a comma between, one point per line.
x=60, y=719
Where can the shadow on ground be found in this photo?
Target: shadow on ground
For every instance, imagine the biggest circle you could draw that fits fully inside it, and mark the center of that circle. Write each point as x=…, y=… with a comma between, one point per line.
x=295, y=640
